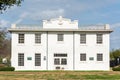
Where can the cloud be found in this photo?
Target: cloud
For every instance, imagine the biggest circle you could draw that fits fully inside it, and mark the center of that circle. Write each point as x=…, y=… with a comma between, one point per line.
x=116, y=25
x=46, y=14
x=52, y=13
x=3, y=23
x=21, y=17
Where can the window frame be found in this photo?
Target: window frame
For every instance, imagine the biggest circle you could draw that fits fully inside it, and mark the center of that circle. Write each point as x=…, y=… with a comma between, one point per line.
x=37, y=59
x=82, y=38
x=83, y=57
x=63, y=61
x=56, y=61
x=38, y=38
x=99, y=38
x=20, y=59
x=21, y=38
x=99, y=57
x=60, y=37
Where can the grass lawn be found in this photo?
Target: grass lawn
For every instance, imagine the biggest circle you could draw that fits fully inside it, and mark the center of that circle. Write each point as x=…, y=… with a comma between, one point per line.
x=60, y=75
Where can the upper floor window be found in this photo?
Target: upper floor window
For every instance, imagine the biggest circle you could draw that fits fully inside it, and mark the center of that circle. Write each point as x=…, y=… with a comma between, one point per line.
x=99, y=38
x=82, y=57
x=21, y=38
x=60, y=37
x=83, y=38
x=99, y=57
x=37, y=38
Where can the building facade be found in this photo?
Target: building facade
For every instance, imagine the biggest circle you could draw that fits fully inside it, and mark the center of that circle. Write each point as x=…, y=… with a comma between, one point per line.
x=60, y=45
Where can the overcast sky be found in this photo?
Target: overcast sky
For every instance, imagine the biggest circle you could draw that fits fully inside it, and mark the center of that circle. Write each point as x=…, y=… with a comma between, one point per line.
x=86, y=11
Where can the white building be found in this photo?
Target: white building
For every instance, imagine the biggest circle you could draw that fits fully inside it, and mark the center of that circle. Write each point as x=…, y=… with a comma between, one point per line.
x=60, y=44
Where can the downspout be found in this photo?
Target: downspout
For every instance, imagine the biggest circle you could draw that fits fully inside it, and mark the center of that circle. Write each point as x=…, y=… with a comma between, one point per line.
x=47, y=50
x=73, y=51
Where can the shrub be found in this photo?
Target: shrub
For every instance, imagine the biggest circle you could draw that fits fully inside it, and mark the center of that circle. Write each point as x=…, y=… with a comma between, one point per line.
x=7, y=68
x=116, y=68
x=2, y=65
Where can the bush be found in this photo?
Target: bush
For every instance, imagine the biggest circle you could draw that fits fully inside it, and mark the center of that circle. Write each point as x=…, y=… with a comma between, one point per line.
x=116, y=68
x=7, y=68
x=2, y=65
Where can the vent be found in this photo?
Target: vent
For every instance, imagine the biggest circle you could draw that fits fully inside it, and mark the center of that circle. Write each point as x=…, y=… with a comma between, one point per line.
x=57, y=68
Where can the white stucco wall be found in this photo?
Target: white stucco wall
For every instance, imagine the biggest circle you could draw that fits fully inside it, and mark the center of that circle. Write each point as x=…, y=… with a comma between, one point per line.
x=65, y=47
x=60, y=23
x=91, y=49
x=29, y=48
x=70, y=46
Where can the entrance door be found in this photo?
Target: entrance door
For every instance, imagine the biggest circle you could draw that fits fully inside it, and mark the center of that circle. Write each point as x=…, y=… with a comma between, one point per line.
x=60, y=61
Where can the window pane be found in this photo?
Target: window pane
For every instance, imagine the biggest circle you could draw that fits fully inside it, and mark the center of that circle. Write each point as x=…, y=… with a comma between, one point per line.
x=82, y=38
x=37, y=38
x=63, y=61
x=99, y=57
x=21, y=38
x=60, y=55
x=20, y=59
x=37, y=59
x=99, y=38
x=60, y=37
x=82, y=57
x=56, y=61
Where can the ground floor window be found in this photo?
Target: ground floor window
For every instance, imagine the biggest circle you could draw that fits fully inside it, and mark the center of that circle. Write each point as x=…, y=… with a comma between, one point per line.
x=99, y=57
x=57, y=61
x=83, y=57
x=63, y=61
x=60, y=59
x=20, y=59
x=37, y=59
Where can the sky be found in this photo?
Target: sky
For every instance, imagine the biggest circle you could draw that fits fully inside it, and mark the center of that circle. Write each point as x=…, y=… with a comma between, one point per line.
x=87, y=12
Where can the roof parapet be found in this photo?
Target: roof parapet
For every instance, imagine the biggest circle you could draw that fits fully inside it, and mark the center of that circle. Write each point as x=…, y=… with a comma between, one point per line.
x=13, y=26
x=107, y=26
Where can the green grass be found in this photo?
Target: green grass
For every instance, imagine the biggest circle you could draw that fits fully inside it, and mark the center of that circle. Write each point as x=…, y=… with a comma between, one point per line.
x=60, y=75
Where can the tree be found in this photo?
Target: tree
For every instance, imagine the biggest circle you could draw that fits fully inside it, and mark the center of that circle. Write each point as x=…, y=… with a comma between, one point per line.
x=4, y=4
x=4, y=44
x=115, y=54
x=2, y=38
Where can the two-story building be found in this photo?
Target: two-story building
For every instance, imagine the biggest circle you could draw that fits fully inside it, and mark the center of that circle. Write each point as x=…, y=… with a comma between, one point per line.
x=60, y=45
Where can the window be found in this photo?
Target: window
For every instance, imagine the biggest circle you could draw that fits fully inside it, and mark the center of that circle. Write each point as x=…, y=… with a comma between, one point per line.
x=82, y=38
x=57, y=67
x=83, y=57
x=37, y=38
x=20, y=59
x=99, y=38
x=60, y=59
x=29, y=58
x=63, y=61
x=60, y=55
x=56, y=61
x=99, y=57
x=21, y=38
x=60, y=37
x=91, y=58
x=37, y=59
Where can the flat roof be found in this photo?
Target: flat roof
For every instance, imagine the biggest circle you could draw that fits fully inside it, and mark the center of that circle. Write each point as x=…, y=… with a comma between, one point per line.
x=57, y=30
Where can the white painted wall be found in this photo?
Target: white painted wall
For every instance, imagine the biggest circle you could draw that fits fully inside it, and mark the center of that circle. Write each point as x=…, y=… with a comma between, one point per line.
x=65, y=46
x=71, y=45
x=91, y=49
x=29, y=48
x=60, y=23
